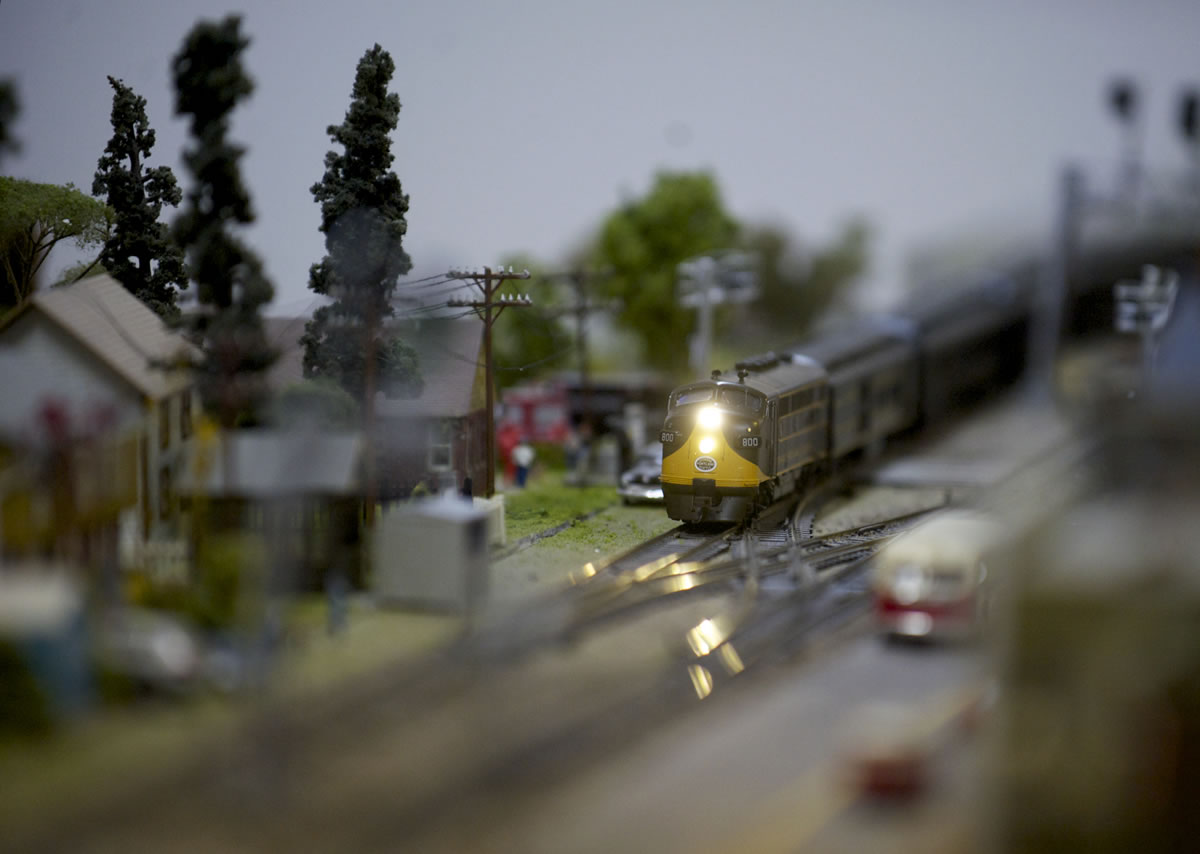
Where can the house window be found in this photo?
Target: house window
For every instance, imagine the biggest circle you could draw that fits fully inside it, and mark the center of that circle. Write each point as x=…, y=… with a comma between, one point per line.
x=164, y=492
x=164, y=422
x=185, y=415
x=441, y=435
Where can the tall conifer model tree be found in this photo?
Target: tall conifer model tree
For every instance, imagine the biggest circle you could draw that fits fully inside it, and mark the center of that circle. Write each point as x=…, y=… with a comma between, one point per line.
x=140, y=253
x=231, y=287
x=9, y=107
x=363, y=218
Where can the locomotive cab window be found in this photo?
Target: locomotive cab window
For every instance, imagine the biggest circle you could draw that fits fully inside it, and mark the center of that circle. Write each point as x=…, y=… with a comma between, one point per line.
x=740, y=398
x=692, y=395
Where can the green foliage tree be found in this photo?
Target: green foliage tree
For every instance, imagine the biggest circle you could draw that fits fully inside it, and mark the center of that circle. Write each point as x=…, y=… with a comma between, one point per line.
x=139, y=253
x=231, y=286
x=797, y=286
x=320, y=402
x=80, y=270
x=643, y=242
x=363, y=211
x=34, y=218
x=335, y=349
x=530, y=341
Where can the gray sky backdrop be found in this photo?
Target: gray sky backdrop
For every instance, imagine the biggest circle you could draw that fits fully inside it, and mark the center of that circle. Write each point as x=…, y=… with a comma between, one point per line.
x=525, y=121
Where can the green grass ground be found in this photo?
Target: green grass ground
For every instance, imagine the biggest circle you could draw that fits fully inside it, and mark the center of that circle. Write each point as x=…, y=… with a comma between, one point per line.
x=547, y=502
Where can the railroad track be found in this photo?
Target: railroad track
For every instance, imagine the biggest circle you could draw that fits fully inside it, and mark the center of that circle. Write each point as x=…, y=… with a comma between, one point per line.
x=517, y=692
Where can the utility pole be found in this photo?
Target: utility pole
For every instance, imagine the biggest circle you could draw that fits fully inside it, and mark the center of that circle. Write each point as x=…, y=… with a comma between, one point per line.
x=488, y=308
x=579, y=280
x=1050, y=302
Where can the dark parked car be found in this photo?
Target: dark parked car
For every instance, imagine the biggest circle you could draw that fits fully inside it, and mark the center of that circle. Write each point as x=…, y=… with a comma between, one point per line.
x=642, y=482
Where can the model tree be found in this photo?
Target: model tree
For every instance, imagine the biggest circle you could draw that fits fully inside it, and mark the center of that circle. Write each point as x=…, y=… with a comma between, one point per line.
x=139, y=253
x=231, y=287
x=34, y=218
x=643, y=242
x=363, y=219
x=9, y=107
x=798, y=282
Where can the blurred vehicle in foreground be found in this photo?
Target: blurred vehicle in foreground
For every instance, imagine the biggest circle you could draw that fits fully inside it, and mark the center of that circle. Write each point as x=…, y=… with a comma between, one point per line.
x=151, y=649
x=641, y=483
x=932, y=582
x=884, y=751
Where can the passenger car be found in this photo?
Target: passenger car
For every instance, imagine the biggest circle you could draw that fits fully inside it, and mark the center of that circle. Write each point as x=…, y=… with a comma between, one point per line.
x=641, y=483
x=932, y=582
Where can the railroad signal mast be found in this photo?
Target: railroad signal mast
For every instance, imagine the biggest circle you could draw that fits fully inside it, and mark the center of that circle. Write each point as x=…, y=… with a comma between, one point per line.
x=708, y=281
x=1144, y=308
x=488, y=307
x=1132, y=198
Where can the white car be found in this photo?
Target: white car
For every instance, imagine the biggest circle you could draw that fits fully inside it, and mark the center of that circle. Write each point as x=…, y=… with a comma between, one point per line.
x=641, y=483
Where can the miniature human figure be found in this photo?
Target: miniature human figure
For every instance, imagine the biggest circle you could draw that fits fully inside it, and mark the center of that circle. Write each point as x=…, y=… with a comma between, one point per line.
x=467, y=491
x=583, y=462
x=571, y=447
x=523, y=455
x=336, y=590
x=507, y=438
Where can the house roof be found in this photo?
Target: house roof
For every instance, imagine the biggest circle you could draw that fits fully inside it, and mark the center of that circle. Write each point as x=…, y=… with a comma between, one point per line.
x=119, y=329
x=268, y=463
x=452, y=367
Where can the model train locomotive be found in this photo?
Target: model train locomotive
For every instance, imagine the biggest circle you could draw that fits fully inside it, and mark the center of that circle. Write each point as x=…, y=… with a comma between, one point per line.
x=781, y=421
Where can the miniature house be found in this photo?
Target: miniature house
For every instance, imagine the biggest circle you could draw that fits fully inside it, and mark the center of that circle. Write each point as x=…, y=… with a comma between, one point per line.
x=438, y=438
x=87, y=375
x=299, y=491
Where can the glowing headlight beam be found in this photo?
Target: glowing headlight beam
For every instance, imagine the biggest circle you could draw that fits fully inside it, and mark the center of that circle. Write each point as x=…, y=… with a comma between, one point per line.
x=709, y=417
x=702, y=680
x=707, y=444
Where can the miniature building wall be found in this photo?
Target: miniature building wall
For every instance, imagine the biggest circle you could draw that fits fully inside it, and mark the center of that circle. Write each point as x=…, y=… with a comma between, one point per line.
x=40, y=361
x=405, y=456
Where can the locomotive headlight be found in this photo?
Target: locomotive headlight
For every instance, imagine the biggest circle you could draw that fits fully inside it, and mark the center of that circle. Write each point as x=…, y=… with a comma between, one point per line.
x=707, y=444
x=709, y=417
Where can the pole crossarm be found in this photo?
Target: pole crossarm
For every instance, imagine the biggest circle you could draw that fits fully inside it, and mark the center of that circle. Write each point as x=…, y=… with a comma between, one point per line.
x=487, y=308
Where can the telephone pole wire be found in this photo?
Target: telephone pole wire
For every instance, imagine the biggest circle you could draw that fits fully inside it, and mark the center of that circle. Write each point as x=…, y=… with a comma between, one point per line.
x=488, y=308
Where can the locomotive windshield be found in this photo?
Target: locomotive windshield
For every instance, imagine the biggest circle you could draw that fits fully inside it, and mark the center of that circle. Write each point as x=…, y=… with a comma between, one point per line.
x=740, y=397
x=698, y=394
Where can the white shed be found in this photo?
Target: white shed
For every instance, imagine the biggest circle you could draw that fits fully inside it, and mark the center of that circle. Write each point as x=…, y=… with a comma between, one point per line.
x=432, y=554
